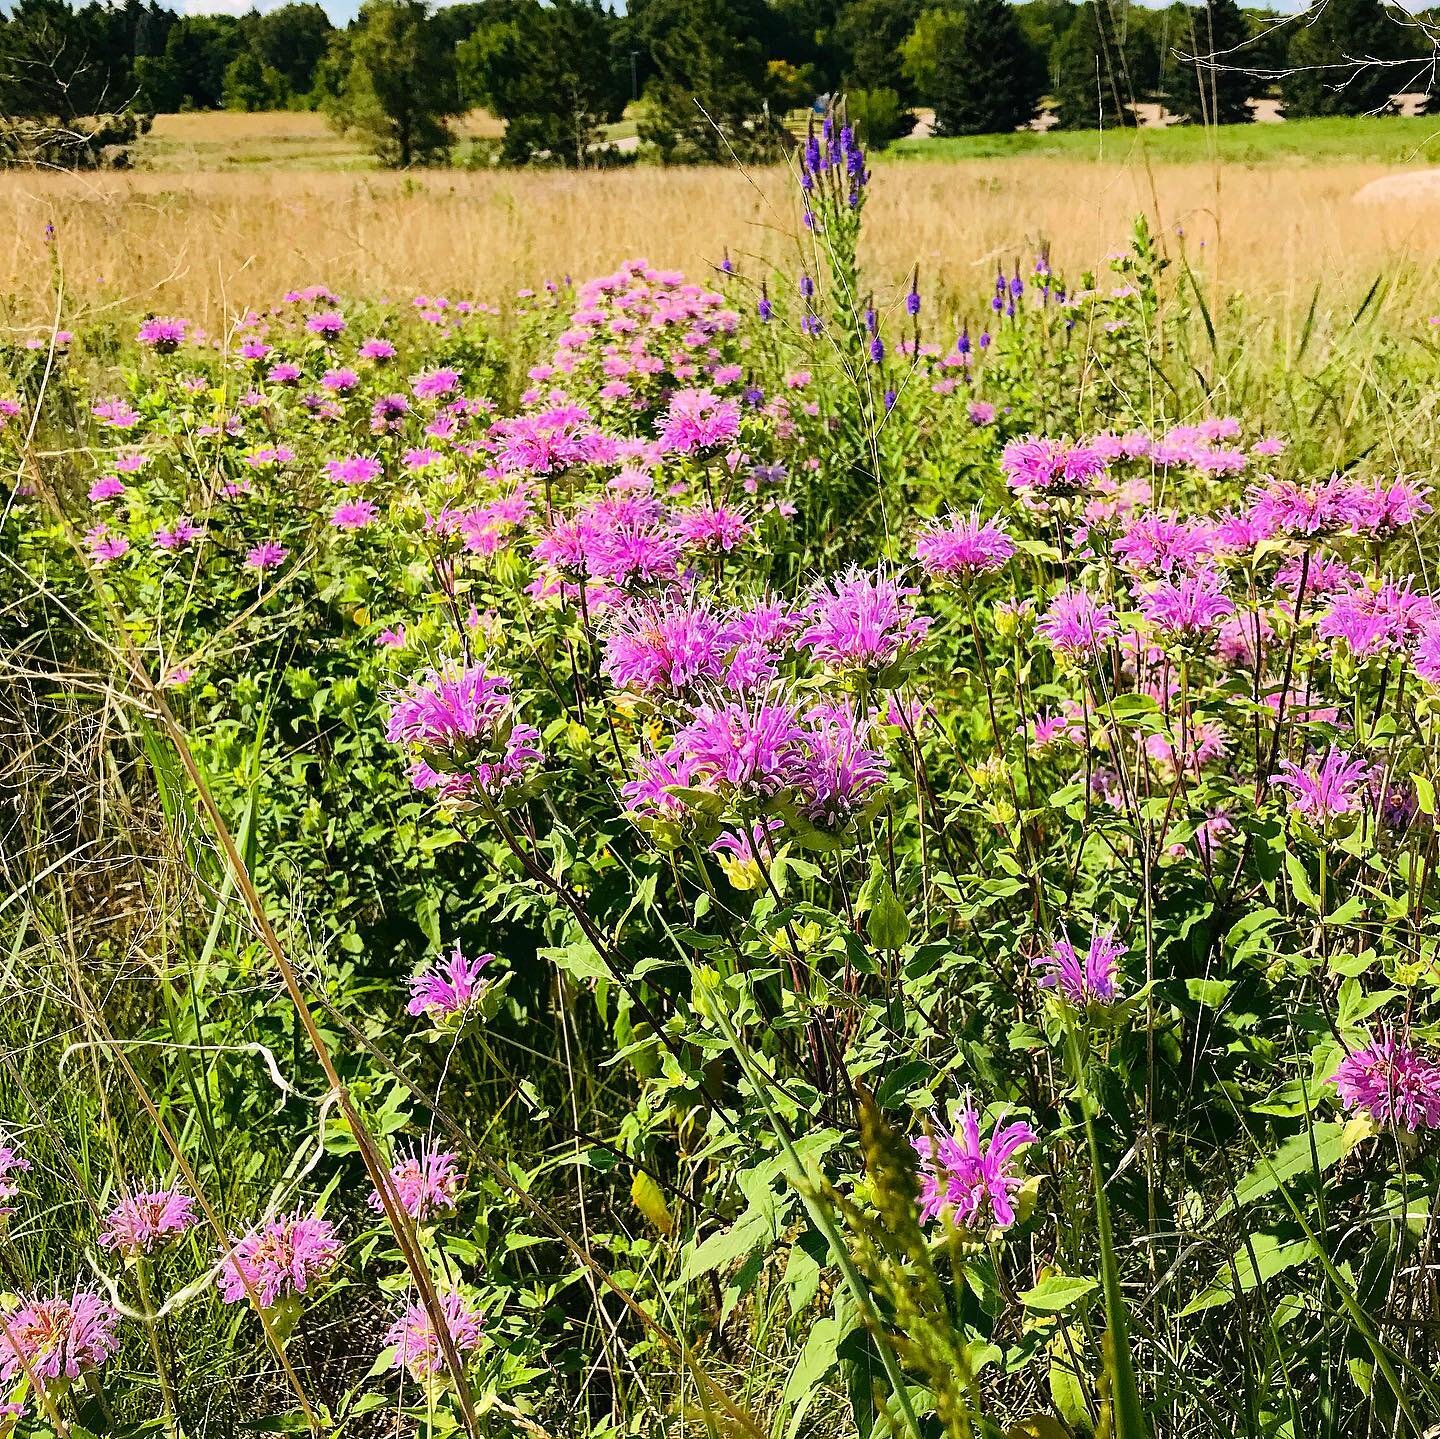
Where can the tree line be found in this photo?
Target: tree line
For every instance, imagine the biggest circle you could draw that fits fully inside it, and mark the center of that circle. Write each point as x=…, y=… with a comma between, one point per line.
x=710, y=80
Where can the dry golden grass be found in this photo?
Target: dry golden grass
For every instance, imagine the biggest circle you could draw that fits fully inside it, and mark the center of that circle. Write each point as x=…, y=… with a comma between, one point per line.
x=206, y=244
x=220, y=140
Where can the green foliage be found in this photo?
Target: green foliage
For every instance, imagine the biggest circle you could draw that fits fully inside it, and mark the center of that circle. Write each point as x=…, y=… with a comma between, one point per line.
x=1214, y=84
x=400, y=90
x=1348, y=58
x=975, y=65
x=554, y=73
x=868, y=37
x=879, y=116
x=709, y=97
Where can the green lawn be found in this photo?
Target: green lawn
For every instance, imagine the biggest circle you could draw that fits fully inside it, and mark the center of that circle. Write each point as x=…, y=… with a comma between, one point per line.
x=1387, y=140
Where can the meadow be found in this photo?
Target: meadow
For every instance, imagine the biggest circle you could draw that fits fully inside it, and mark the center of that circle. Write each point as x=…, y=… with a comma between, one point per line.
x=829, y=832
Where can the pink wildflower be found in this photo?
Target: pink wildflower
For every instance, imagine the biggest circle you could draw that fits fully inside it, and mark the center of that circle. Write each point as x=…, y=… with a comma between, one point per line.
x=417, y=1346
x=1087, y=979
x=109, y=487
x=963, y=546
x=427, y=1183
x=144, y=1221
x=962, y=1176
x=268, y=555
x=283, y=1257
x=57, y=1338
x=1393, y=1082
x=353, y=515
x=1327, y=791
x=448, y=988
x=162, y=336
x=1076, y=624
x=860, y=621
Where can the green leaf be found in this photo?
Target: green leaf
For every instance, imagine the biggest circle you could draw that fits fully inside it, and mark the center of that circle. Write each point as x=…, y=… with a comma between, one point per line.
x=887, y=924
x=1058, y=1292
x=1293, y=1157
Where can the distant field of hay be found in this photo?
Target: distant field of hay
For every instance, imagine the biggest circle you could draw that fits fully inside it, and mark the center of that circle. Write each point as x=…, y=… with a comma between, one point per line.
x=205, y=243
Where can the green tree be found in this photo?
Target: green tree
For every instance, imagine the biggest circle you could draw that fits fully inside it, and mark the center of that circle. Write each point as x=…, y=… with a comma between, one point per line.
x=552, y=73
x=1342, y=59
x=400, y=92
x=1091, y=70
x=976, y=67
x=879, y=116
x=249, y=86
x=290, y=42
x=708, y=98
x=56, y=64
x=1211, y=84
x=867, y=37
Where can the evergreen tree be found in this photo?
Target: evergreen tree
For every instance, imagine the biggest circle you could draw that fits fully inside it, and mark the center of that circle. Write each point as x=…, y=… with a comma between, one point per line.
x=1091, y=86
x=708, y=98
x=1211, y=85
x=400, y=92
x=1341, y=59
x=290, y=42
x=975, y=65
x=867, y=38
x=552, y=73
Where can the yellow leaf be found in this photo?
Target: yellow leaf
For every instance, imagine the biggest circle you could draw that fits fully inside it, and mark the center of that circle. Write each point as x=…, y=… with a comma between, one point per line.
x=650, y=1201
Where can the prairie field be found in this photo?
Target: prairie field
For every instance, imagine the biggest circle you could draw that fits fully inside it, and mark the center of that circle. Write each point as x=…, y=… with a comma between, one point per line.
x=719, y=804
x=210, y=243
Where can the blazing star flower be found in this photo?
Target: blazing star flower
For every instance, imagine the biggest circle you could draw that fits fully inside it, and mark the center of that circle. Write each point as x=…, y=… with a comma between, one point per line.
x=1393, y=1082
x=427, y=1183
x=1083, y=980
x=962, y=547
x=1076, y=624
x=860, y=621
x=11, y=1164
x=353, y=515
x=417, y=1346
x=162, y=336
x=57, y=1338
x=1188, y=606
x=963, y=1177
x=268, y=555
x=460, y=718
x=1328, y=791
x=143, y=1222
x=448, y=989
x=281, y=1258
